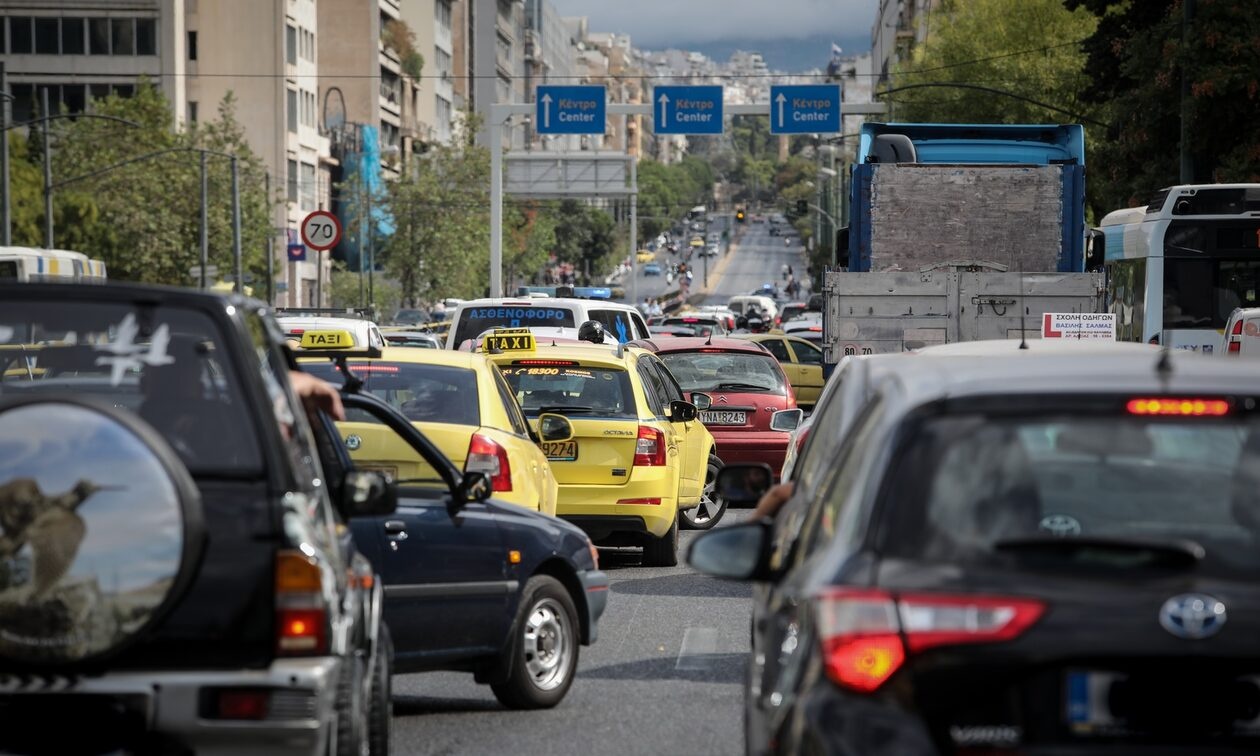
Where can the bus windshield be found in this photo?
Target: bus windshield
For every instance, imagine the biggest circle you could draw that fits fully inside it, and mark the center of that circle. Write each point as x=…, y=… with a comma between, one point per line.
x=1201, y=293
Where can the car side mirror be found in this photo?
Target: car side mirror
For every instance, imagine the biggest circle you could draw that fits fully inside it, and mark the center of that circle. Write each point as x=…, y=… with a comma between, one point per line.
x=368, y=493
x=743, y=484
x=682, y=412
x=702, y=400
x=474, y=487
x=735, y=552
x=787, y=420
x=553, y=427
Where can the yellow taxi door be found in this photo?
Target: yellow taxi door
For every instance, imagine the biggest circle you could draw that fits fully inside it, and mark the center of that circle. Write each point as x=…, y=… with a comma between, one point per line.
x=779, y=348
x=690, y=436
x=534, y=465
x=809, y=380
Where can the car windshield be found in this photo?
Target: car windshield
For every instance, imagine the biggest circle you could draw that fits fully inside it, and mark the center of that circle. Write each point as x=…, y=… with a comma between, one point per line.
x=967, y=484
x=165, y=363
x=573, y=389
x=711, y=370
x=475, y=321
x=424, y=393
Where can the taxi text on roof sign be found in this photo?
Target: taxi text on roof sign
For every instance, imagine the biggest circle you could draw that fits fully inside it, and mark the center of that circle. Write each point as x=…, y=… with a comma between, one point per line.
x=511, y=340
x=327, y=340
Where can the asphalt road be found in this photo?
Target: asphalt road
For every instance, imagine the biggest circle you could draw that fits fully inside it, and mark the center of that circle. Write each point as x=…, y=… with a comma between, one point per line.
x=758, y=258
x=665, y=677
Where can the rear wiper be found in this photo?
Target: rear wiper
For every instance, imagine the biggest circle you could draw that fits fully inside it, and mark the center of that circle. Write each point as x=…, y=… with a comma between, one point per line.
x=734, y=385
x=563, y=408
x=1178, y=552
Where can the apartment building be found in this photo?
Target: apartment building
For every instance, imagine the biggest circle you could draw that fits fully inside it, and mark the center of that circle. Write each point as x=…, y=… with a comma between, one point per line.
x=489, y=57
x=899, y=26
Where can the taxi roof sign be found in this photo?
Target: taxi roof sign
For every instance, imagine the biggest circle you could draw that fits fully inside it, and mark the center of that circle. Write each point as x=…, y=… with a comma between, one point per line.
x=327, y=340
x=510, y=340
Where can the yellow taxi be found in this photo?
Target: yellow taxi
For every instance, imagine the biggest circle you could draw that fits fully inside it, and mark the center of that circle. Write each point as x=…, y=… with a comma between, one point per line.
x=638, y=455
x=801, y=360
x=645, y=256
x=459, y=400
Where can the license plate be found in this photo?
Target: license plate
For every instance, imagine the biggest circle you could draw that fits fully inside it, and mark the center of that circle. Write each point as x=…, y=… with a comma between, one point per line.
x=709, y=417
x=560, y=451
x=390, y=471
x=1110, y=704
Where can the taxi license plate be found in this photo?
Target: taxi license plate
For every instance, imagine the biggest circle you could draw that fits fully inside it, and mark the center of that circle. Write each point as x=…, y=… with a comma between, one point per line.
x=560, y=451
x=709, y=417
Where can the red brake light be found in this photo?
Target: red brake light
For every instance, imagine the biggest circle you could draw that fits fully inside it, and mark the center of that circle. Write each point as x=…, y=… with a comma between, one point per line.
x=1237, y=329
x=544, y=363
x=862, y=632
x=1234, y=347
x=710, y=351
x=649, y=450
x=301, y=613
x=1178, y=406
x=368, y=367
x=232, y=703
x=816, y=329
x=487, y=456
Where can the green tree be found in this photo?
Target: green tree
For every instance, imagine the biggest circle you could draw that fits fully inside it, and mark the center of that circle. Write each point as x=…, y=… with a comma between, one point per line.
x=529, y=237
x=1135, y=61
x=1027, y=47
x=586, y=235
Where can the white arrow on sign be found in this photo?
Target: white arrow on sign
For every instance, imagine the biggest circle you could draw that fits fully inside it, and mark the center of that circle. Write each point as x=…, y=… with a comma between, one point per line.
x=780, y=99
x=664, y=101
x=546, y=101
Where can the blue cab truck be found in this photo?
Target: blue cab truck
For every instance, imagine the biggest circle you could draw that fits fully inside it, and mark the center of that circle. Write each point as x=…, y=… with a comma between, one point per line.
x=950, y=226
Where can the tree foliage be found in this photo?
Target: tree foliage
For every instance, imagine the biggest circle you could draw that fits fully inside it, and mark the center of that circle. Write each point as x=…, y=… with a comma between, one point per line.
x=585, y=235
x=667, y=192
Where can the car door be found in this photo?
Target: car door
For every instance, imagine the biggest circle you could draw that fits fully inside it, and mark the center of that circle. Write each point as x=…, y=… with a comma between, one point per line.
x=689, y=441
x=808, y=364
x=675, y=433
x=530, y=453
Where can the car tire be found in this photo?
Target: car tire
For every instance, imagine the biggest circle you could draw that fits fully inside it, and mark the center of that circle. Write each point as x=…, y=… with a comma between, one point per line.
x=381, y=697
x=663, y=551
x=543, y=650
x=711, y=507
x=350, y=715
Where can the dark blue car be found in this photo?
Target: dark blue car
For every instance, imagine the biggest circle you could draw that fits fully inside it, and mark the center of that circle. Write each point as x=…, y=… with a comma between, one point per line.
x=477, y=585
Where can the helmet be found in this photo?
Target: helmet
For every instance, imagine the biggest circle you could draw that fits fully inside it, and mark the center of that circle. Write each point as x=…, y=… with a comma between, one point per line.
x=592, y=331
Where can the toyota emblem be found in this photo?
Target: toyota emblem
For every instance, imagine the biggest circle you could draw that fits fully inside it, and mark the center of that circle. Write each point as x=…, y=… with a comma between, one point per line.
x=353, y=442
x=1192, y=616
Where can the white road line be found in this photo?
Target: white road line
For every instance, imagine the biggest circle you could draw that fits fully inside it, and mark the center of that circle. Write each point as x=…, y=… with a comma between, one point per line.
x=698, y=646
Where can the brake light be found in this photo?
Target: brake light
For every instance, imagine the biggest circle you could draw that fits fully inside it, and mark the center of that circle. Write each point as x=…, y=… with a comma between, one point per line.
x=652, y=501
x=1178, y=406
x=301, y=614
x=649, y=450
x=544, y=363
x=367, y=367
x=1237, y=329
x=488, y=456
x=239, y=703
x=866, y=635
x=1234, y=347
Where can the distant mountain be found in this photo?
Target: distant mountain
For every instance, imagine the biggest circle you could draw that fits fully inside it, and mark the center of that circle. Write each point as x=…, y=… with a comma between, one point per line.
x=790, y=55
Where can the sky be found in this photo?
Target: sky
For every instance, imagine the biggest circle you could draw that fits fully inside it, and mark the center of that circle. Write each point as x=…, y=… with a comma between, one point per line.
x=659, y=24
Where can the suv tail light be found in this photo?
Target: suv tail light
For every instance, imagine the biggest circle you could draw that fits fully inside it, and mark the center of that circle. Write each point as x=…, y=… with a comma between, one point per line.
x=1235, y=339
x=301, y=614
x=488, y=456
x=649, y=450
x=866, y=636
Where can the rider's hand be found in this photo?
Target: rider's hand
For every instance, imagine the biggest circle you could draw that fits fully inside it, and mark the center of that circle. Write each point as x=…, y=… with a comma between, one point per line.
x=317, y=394
x=772, y=500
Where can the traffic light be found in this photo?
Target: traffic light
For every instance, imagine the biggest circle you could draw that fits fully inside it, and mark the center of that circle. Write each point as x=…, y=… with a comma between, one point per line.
x=802, y=207
x=739, y=215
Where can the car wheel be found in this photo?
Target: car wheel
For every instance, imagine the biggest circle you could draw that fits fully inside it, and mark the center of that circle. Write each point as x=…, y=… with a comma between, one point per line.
x=711, y=507
x=381, y=698
x=663, y=551
x=351, y=709
x=543, y=652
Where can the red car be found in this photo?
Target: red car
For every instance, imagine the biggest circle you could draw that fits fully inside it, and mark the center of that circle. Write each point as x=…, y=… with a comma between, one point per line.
x=747, y=386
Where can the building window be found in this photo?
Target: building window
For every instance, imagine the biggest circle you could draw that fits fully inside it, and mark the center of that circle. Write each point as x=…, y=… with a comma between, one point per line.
x=292, y=181
x=293, y=111
x=290, y=45
x=20, y=38
x=98, y=36
x=73, y=98
x=192, y=45
x=123, y=36
x=442, y=59
x=72, y=40
x=442, y=13
x=3, y=36
x=192, y=111
x=47, y=36
x=443, y=112
x=146, y=36
x=98, y=91
x=308, y=185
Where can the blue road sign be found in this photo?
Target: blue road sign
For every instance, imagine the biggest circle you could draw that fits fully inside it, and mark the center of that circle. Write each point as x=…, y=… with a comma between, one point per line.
x=687, y=110
x=570, y=110
x=805, y=109
x=297, y=252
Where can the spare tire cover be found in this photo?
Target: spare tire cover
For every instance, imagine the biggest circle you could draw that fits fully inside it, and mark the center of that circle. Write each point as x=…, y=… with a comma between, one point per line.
x=100, y=529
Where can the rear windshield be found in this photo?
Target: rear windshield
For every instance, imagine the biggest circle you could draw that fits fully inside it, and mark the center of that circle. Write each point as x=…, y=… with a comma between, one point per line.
x=726, y=371
x=967, y=483
x=572, y=390
x=424, y=393
x=166, y=364
x=475, y=321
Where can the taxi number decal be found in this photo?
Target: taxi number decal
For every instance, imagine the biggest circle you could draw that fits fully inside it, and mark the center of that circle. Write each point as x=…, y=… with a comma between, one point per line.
x=541, y=371
x=560, y=451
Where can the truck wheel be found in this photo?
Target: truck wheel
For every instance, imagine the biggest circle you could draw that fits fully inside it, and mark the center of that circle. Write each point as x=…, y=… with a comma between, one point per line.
x=381, y=697
x=543, y=650
x=711, y=507
x=663, y=551
x=351, y=708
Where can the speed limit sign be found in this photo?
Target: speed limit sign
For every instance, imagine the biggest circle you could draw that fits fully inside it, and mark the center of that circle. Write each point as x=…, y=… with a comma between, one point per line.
x=321, y=230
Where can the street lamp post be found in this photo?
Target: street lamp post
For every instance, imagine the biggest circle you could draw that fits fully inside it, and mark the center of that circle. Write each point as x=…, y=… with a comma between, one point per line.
x=6, y=225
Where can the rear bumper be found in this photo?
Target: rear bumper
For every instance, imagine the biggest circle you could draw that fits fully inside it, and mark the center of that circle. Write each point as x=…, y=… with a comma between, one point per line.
x=596, y=509
x=736, y=447
x=169, y=708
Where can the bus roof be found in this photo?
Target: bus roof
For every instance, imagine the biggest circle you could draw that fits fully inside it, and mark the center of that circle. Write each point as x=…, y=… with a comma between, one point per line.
x=971, y=143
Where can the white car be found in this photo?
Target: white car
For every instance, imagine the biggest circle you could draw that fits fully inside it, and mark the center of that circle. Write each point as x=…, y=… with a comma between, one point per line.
x=1242, y=333
x=740, y=304
x=365, y=332
x=558, y=316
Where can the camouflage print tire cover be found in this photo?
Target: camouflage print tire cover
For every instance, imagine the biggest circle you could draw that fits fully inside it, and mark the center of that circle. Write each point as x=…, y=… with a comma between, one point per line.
x=100, y=529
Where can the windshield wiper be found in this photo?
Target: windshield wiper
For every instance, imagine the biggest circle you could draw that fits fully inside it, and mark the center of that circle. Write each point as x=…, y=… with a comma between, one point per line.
x=1176, y=552
x=736, y=385
x=563, y=408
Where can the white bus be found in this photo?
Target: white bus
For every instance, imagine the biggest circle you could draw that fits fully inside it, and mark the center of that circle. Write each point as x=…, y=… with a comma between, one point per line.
x=1178, y=267
x=53, y=265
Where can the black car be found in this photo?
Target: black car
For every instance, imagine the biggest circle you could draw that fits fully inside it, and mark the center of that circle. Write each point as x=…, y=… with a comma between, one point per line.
x=1020, y=554
x=175, y=574
x=474, y=584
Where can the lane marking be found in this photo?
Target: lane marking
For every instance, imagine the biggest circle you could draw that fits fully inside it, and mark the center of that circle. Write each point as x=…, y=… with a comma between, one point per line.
x=699, y=644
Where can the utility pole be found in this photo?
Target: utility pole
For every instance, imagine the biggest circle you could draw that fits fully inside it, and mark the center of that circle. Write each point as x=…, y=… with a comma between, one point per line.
x=236, y=226
x=6, y=223
x=48, y=211
x=1187, y=160
x=205, y=223
x=271, y=241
